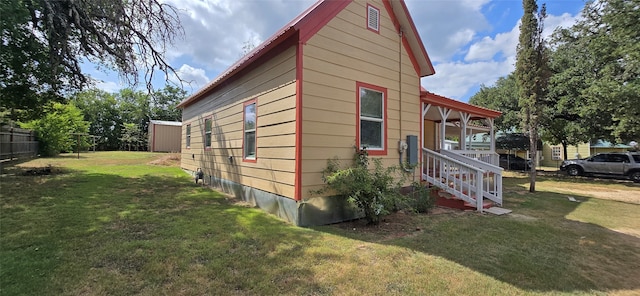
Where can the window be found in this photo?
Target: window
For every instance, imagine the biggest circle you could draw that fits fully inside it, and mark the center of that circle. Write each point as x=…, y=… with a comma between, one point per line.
x=618, y=158
x=555, y=153
x=250, y=124
x=373, y=18
x=207, y=133
x=372, y=113
x=188, y=133
x=600, y=158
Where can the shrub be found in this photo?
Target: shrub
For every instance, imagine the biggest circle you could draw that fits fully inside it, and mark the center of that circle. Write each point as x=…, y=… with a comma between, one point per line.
x=422, y=199
x=55, y=130
x=373, y=190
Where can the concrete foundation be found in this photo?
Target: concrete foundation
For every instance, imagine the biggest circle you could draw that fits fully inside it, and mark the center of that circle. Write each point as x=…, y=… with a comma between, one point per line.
x=308, y=212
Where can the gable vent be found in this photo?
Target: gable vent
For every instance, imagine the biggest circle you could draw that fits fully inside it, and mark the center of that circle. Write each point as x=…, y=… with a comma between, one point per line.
x=373, y=18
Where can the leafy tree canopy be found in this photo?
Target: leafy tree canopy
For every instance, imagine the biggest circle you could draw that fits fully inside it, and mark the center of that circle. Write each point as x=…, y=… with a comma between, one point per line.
x=596, y=66
x=44, y=43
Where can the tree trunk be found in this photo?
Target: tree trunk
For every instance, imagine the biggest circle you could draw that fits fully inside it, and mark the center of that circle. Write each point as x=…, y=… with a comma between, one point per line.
x=533, y=152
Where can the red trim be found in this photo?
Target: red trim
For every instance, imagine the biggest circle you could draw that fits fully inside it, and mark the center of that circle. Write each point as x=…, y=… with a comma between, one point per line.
x=153, y=144
x=317, y=17
x=437, y=100
x=302, y=27
x=359, y=85
x=204, y=133
x=394, y=19
x=244, y=106
x=415, y=32
x=396, y=23
x=412, y=57
x=420, y=139
x=298, y=174
x=367, y=18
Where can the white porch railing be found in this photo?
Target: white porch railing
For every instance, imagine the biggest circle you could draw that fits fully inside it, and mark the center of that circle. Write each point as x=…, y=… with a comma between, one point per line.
x=458, y=178
x=492, y=185
x=482, y=155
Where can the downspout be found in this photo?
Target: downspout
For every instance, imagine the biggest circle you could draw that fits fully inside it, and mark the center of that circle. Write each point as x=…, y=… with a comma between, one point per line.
x=402, y=145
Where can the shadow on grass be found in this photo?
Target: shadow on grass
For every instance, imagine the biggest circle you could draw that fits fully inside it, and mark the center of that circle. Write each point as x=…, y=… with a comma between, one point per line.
x=536, y=248
x=105, y=234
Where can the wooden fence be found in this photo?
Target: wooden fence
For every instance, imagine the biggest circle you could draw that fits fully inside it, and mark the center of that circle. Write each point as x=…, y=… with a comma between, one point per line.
x=17, y=143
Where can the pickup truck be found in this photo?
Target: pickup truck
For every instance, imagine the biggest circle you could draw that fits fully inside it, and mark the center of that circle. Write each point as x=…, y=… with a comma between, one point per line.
x=617, y=164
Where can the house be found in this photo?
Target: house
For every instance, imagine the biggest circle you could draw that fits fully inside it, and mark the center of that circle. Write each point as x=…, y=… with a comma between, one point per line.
x=165, y=136
x=554, y=155
x=343, y=74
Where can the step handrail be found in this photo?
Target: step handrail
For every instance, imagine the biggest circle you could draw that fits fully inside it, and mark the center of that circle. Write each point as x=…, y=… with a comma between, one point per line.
x=472, y=161
x=456, y=184
x=495, y=172
x=454, y=160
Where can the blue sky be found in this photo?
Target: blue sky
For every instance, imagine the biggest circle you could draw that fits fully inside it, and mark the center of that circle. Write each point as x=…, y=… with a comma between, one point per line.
x=470, y=42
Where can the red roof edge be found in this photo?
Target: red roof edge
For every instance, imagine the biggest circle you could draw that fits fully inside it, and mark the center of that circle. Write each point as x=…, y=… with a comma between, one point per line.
x=439, y=100
x=415, y=32
x=308, y=23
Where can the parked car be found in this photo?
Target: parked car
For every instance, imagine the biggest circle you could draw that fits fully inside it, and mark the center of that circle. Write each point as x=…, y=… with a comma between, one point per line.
x=617, y=164
x=514, y=162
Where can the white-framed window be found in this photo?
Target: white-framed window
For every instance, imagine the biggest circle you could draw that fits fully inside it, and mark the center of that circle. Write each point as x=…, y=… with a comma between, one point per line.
x=249, y=131
x=188, y=135
x=373, y=18
x=556, y=153
x=207, y=133
x=372, y=113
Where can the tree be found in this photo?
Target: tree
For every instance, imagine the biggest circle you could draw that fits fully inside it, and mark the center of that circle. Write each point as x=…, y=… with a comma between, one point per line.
x=131, y=136
x=101, y=111
x=45, y=42
x=531, y=74
x=134, y=107
x=55, y=131
x=163, y=106
x=503, y=96
x=596, y=65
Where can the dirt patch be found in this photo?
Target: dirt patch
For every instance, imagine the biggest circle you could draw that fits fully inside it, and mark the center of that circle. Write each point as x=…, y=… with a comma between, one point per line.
x=521, y=217
x=171, y=159
x=628, y=196
x=396, y=225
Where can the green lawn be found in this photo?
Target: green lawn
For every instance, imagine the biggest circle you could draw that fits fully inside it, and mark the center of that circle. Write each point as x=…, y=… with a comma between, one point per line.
x=110, y=223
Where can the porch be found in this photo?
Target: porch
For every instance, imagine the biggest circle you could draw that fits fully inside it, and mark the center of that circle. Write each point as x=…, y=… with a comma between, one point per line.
x=468, y=172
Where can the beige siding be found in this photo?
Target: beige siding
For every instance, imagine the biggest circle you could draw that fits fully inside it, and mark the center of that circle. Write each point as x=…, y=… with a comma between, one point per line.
x=339, y=55
x=273, y=85
x=577, y=151
x=164, y=138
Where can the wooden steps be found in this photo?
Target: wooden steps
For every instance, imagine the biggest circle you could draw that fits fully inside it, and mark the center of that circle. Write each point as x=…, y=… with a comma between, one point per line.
x=445, y=199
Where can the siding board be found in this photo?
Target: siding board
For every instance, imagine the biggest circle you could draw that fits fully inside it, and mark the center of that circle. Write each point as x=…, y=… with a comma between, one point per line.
x=273, y=85
x=340, y=54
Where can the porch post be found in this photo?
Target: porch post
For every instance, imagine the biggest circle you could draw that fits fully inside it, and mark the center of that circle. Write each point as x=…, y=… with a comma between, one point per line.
x=425, y=109
x=492, y=134
x=495, y=160
x=464, y=121
x=444, y=114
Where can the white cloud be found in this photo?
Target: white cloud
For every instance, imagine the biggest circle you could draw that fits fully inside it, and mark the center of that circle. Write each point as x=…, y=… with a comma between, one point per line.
x=446, y=27
x=215, y=31
x=486, y=60
x=195, y=78
x=108, y=86
x=487, y=48
x=456, y=79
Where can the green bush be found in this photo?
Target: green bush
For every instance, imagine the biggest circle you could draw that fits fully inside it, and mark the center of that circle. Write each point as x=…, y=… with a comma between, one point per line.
x=421, y=197
x=55, y=130
x=373, y=190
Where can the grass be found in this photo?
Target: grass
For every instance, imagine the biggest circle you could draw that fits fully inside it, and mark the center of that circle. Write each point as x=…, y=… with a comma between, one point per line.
x=111, y=223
